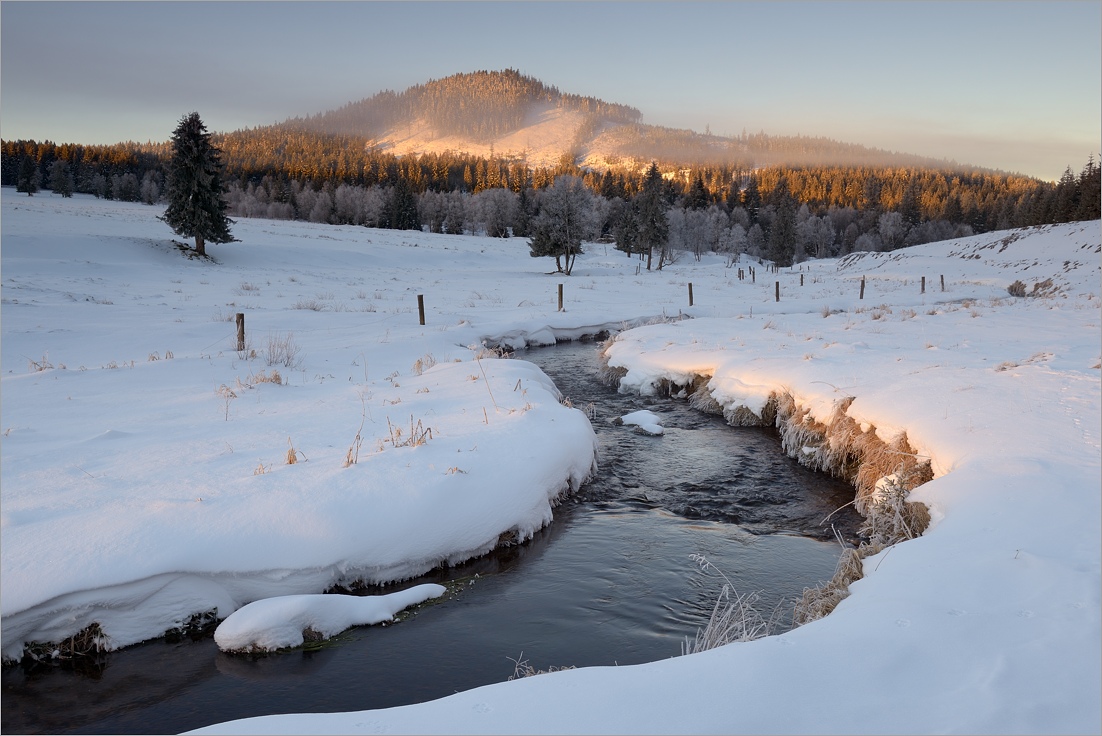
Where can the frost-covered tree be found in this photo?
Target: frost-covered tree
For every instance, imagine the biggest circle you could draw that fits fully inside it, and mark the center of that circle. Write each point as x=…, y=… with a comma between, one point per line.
x=374, y=201
x=755, y=240
x=125, y=187
x=322, y=208
x=869, y=242
x=196, y=202
x=695, y=231
x=150, y=191
x=348, y=205
x=433, y=208
x=455, y=221
x=892, y=230
x=496, y=208
x=733, y=242
x=99, y=186
x=816, y=236
x=566, y=217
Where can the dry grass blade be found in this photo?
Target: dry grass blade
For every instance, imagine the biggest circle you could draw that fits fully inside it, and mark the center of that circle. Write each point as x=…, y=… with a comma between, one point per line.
x=418, y=434
x=37, y=366
x=353, y=455
x=292, y=453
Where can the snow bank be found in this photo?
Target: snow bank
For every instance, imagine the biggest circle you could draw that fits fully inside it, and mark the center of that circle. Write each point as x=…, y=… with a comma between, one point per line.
x=278, y=623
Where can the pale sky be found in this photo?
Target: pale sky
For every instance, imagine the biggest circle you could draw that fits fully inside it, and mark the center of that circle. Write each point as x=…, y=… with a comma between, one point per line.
x=1008, y=85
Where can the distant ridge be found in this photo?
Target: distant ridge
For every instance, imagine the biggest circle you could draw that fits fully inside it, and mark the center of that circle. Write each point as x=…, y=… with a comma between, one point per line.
x=510, y=115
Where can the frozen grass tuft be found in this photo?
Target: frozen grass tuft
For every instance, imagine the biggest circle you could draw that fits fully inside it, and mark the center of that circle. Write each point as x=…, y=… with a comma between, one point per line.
x=265, y=377
x=818, y=602
x=521, y=668
x=88, y=644
x=734, y=618
x=889, y=517
x=227, y=395
x=281, y=349
x=37, y=366
x=418, y=434
x=292, y=453
x=423, y=363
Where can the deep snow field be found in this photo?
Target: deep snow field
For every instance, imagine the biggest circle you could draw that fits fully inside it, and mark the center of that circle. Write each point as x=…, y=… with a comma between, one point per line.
x=144, y=470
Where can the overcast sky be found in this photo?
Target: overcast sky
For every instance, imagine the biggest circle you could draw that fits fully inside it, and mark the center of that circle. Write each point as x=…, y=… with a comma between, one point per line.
x=1007, y=85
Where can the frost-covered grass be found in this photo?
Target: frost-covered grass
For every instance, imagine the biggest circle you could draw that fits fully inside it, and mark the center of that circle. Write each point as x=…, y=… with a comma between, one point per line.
x=130, y=497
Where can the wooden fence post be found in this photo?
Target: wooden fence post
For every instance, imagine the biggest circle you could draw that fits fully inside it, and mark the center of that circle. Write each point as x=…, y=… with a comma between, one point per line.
x=801, y=279
x=560, y=297
x=923, y=285
x=778, y=291
x=421, y=307
x=943, y=282
x=862, y=288
x=240, y=332
x=690, y=293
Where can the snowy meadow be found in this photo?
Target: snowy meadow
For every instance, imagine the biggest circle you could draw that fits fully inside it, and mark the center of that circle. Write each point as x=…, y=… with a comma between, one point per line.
x=155, y=471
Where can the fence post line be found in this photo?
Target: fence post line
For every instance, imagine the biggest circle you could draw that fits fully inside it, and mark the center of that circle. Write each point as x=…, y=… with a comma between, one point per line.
x=421, y=307
x=240, y=332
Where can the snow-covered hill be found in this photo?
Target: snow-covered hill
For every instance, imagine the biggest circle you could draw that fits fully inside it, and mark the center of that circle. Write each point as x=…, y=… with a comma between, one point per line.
x=145, y=474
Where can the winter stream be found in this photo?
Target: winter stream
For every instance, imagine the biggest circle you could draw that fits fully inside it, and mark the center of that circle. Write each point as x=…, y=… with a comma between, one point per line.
x=610, y=582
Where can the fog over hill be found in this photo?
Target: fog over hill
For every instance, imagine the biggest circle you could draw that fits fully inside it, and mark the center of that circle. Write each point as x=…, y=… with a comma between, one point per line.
x=512, y=116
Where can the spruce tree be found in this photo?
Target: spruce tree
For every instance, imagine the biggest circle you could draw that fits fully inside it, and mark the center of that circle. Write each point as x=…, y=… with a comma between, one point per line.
x=654, y=228
x=28, y=177
x=196, y=205
x=782, y=232
x=61, y=181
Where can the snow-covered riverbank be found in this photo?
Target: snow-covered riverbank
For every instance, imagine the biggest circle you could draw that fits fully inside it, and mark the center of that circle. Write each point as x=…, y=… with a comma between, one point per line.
x=132, y=497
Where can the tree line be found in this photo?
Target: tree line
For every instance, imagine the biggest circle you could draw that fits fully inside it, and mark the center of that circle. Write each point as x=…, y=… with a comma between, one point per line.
x=780, y=212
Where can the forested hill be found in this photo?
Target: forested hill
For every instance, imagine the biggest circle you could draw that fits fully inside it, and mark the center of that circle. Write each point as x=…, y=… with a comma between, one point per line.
x=473, y=111
x=480, y=105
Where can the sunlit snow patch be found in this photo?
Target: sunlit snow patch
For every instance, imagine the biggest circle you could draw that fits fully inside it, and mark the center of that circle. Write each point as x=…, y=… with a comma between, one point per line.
x=647, y=421
x=278, y=623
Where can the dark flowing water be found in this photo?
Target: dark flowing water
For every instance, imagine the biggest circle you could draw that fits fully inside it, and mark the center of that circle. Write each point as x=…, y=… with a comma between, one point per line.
x=610, y=582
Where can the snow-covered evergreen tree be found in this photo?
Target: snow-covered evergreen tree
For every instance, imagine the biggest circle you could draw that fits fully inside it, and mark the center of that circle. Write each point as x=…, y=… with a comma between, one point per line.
x=196, y=205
